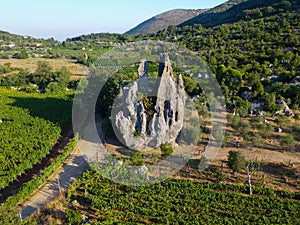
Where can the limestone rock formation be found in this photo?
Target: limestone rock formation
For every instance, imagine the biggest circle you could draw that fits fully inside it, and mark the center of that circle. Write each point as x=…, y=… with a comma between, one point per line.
x=159, y=118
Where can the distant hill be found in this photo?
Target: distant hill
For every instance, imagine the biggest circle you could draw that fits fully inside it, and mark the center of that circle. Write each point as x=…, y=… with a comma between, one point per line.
x=3, y=32
x=162, y=21
x=233, y=11
x=6, y=36
x=22, y=40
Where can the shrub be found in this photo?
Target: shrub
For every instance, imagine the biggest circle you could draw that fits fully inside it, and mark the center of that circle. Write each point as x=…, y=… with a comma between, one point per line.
x=137, y=133
x=288, y=141
x=135, y=159
x=166, y=149
x=73, y=217
x=191, y=135
x=236, y=161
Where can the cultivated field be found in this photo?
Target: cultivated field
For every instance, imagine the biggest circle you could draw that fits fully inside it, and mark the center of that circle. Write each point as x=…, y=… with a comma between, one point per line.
x=31, y=64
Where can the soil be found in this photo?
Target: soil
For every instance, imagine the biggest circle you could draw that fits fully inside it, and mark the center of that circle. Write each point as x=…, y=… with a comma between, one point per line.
x=280, y=168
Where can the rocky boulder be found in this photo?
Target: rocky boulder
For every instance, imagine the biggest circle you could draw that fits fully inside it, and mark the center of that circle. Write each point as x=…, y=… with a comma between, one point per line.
x=139, y=124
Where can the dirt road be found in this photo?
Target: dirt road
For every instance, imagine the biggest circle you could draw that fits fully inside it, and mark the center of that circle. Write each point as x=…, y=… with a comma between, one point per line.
x=72, y=169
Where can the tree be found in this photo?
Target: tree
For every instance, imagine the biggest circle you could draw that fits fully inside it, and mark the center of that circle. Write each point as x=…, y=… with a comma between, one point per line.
x=288, y=141
x=8, y=215
x=265, y=129
x=43, y=74
x=257, y=89
x=250, y=170
x=191, y=135
x=191, y=86
x=73, y=217
x=241, y=106
x=235, y=122
x=226, y=138
x=21, y=55
x=243, y=127
x=236, y=161
x=53, y=87
x=218, y=133
x=254, y=140
x=63, y=76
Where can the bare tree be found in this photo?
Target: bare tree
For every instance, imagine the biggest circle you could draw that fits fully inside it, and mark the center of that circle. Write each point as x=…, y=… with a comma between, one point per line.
x=250, y=170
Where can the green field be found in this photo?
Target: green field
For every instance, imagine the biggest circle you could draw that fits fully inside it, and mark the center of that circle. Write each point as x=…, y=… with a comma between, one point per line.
x=30, y=124
x=30, y=64
x=178, y=202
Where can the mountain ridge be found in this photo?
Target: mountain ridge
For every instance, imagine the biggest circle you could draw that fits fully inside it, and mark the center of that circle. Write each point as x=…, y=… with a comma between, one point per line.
x=162, y=21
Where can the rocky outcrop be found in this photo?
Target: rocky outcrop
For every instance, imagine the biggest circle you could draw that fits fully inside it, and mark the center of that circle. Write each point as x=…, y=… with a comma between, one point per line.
x=152, y=114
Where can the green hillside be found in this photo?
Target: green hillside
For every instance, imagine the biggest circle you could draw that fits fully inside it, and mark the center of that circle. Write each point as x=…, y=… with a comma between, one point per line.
x=252, y=51
x=236, y=10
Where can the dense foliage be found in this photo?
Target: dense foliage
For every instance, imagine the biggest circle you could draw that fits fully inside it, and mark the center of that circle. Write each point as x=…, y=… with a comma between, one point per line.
x=257, y=54
x=235, y=10
x=43, y=79
x=29, y=126
x=236, y=161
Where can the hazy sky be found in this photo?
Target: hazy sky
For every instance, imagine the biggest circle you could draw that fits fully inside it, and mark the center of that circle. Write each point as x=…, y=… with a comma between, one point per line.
x=68, y=18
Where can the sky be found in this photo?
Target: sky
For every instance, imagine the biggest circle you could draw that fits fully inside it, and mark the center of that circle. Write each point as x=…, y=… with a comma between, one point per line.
x=61, y=19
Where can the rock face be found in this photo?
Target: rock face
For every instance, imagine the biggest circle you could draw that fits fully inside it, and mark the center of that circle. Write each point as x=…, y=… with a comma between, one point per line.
x=152, y=114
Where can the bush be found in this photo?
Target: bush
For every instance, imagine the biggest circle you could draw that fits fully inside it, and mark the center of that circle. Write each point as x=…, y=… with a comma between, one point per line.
x=54, y=87
x=4, y=56
x=21, y=55
x=236, y=161
x=166, y=149
x=191, y=135
x=235, y=122
x=73, y=217
x=137, y=133
x=135, y=159
x=296, y=131
x=288, y=141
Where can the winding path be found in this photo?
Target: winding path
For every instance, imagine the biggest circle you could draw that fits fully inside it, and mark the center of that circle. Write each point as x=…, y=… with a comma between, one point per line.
x=73, y=168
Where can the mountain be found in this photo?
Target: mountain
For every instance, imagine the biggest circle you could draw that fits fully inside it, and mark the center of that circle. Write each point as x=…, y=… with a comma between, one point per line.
x=162, y=21
x=235, y=10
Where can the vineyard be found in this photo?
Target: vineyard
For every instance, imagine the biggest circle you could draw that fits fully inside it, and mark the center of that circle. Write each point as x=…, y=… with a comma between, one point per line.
x=178, y=202
x=29, y=126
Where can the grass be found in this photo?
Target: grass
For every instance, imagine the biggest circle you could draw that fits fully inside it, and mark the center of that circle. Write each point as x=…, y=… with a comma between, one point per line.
x=31, y=64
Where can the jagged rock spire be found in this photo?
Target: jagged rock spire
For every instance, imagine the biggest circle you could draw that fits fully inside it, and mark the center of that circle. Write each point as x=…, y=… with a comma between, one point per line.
x=143, y=76
x=165, y=67
x=165, y=124
x=143, y=69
